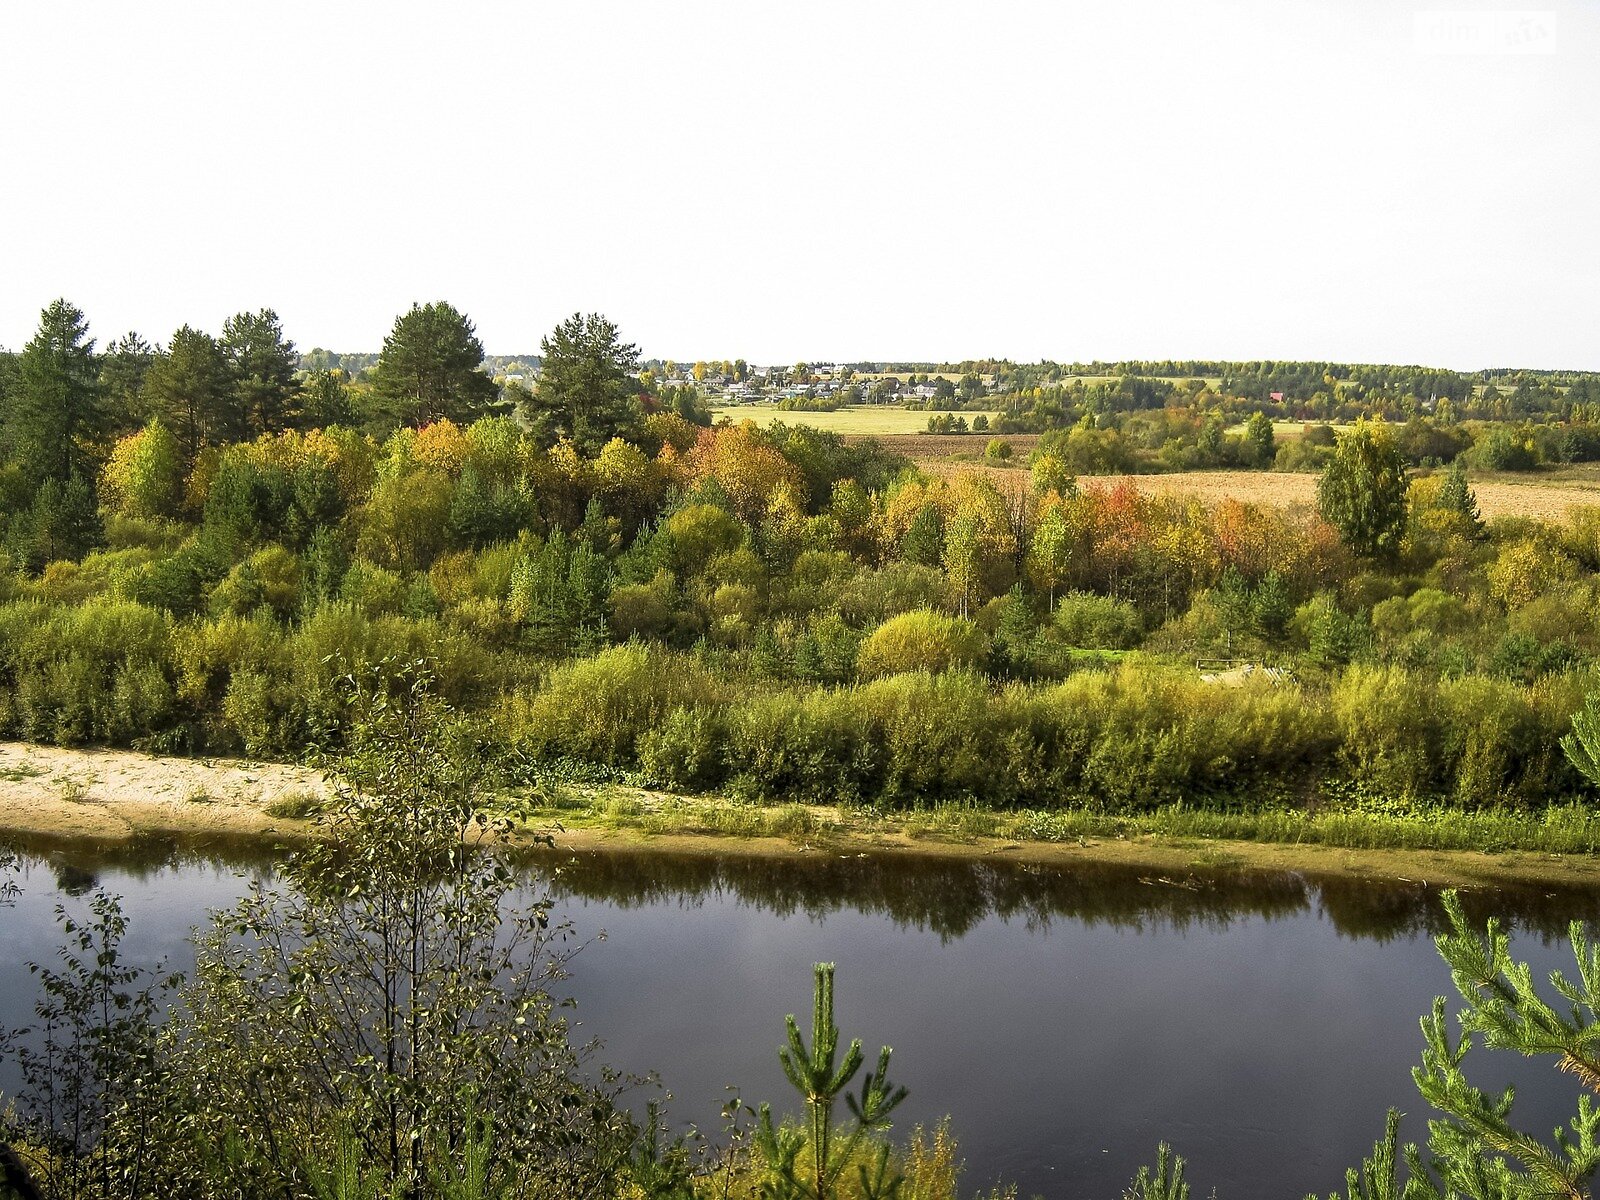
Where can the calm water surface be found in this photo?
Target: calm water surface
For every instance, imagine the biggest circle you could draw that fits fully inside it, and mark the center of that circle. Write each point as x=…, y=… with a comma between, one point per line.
x=1067, y=1020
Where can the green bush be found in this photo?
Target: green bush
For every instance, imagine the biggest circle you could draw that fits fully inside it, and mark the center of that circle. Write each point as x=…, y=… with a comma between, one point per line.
x=920, y=641
x=685, y=751
x=598, y=708
x=1092, y=622
x=811, y=746
x=1387, y=723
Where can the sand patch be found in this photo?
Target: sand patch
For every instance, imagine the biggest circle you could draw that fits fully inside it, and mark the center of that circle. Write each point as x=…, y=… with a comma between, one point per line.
x=120, y=793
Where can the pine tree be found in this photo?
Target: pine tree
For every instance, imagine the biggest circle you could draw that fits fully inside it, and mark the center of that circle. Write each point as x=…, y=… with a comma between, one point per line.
x=923, y=543
x=54, y=407
x=1582, y=745
x=1455, y=495
x=810, y=1163
x=189, y=388
x=586, y=389
x=263, y=366
x=122, y=372
x=1473, y=1148
x=326, y=400
x=429, y=368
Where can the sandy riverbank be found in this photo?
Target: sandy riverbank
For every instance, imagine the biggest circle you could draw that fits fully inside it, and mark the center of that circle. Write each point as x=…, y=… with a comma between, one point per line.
x=119, y=795
x=116, y=794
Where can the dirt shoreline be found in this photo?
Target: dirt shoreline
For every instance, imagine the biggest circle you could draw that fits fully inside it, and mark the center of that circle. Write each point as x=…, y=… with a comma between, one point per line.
x=111, y=796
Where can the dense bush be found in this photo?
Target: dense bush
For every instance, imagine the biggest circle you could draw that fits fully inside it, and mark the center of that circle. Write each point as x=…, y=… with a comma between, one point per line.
x=920, y=641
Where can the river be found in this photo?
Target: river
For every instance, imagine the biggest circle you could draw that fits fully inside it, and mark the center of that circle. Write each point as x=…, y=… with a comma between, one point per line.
x=1066, y=1020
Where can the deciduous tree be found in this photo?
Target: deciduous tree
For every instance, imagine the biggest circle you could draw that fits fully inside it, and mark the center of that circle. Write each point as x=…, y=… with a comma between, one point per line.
x=1362, y=491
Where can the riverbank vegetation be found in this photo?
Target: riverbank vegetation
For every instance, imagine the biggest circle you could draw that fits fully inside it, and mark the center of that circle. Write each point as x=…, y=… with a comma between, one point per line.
x=611, y=590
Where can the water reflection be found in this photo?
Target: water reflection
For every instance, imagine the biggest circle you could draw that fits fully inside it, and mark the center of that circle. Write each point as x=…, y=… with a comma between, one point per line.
x=950, y=896
x=945, y=895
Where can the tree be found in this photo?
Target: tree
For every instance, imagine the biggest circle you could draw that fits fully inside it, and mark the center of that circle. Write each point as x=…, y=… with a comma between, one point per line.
x=377, y=1019
x=429, y=368
x=1582, y=744
x=811, y=1163
x=144, y=475
x=963, y=557
x=1474, y=1149
x=1050, y=553
x=1260, y=440
x=86, y=1065
x=586, y=387
x=1455, y=495
x=263, y=365
x=188, y=387
x=122, y=372
x=62, y=523
x=326, y=400
x=53, y=410
x=1362, y=492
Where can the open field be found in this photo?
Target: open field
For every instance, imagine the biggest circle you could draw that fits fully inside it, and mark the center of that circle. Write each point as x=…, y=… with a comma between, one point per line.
x=1549, y=497
x=930, y=450
x=860, y=420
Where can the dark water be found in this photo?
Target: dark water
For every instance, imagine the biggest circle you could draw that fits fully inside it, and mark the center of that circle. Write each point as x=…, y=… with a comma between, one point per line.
x=1066, y=1020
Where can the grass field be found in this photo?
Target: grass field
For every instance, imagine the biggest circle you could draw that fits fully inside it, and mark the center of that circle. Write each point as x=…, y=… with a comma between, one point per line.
x=1548, y=497
x=861, y=420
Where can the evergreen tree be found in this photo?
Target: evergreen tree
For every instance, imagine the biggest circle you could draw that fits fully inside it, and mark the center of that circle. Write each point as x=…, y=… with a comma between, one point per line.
x=53, y=410
x=62, y=523
x=326, y=400
x=1455, y=495
x=263, y=366
x=122, y=372
x=586, y=386
x=429, y=368
x=1582, y=745
x=1271, y=606
x=190, y=389
x=812, y=1163
x=923, y=542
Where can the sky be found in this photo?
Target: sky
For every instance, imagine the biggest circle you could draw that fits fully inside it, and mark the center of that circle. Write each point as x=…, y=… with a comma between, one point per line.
x=1370, y=181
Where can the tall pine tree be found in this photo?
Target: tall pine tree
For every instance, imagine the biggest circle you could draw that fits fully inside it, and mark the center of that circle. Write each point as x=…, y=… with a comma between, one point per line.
x=54, y=408
x=587, y=390
x=190, y=389
x=429, y=368
x=263, y=365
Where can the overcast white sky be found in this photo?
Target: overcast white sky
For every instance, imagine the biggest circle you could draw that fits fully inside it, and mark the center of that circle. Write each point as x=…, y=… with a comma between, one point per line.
x=1150, y=178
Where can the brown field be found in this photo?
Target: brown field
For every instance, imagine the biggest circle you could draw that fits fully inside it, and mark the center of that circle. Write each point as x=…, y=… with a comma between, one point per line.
x=1548, y=496
x=1551, y=497
x=929, y=449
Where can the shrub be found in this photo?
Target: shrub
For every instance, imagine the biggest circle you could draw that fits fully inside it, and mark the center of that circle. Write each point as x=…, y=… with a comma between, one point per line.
x=920, y=641
x=1386, y=720
x=598, y=708
x=811, y=746
x=685, y=751
x=1093, y=622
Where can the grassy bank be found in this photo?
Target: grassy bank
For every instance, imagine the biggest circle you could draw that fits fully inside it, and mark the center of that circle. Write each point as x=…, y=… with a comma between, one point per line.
x=1441, y=845
x=110, y=796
